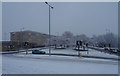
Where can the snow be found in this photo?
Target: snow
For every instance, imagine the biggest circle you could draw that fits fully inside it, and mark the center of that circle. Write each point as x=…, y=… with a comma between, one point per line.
x=100, y=54
x=20, y=63
x=37, y=56
x=45, y=64
x=70, y=51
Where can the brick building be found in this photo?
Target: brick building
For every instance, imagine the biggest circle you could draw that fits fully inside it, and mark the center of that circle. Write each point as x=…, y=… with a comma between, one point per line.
x=33, y=37
x=9, y=45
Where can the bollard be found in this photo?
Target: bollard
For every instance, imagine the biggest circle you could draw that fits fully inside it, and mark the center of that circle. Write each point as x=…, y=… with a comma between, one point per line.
x=79, y=55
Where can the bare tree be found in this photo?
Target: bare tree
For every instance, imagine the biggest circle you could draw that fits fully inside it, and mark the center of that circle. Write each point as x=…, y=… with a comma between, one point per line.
x=106, y=39
x=82, y=37
x=67, y=34
x=68, y=38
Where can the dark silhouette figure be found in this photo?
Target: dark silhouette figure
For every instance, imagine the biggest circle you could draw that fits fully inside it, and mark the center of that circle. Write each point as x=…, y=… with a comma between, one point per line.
x=109, y=46
x=87, y=45
x=104, y=45
x=80, y=42
x=77, y=44
x=87, y=48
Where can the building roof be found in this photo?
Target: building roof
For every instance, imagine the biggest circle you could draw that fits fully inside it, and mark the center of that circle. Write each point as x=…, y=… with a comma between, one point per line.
x=29, y=31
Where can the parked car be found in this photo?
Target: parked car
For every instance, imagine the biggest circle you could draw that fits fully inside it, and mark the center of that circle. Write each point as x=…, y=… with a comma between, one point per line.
x=106, y=48
x=114, y=50
x=38, y=52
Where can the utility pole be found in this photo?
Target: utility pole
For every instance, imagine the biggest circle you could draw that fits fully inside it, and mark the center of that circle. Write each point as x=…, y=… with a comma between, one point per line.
x=50, y=7
x=5, y=36
x=21, y=37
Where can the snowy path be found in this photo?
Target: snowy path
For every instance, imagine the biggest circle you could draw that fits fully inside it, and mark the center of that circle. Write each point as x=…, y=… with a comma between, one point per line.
x=38, y=64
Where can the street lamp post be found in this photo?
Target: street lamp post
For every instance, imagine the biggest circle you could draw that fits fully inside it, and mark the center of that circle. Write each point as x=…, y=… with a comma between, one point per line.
x=21, y=38
x=50, y=7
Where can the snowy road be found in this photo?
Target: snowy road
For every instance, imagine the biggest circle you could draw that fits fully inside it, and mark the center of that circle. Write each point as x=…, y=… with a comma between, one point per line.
x=25, y=64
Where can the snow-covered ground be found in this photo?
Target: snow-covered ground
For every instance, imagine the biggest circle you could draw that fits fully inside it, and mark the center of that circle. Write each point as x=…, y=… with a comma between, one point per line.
x=70, y=51
x=45, y=64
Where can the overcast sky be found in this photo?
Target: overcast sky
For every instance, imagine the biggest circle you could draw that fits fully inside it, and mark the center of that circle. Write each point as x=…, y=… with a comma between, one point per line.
x=90, y=18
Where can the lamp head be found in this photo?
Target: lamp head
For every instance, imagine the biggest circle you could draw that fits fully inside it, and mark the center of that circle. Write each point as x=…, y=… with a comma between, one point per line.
x=52, y=7
x=46, y=2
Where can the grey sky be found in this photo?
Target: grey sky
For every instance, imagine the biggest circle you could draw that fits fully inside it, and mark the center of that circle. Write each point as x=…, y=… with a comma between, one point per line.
x=78, y=17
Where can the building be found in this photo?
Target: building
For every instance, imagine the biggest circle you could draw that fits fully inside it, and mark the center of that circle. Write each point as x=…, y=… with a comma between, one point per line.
x=36, y=38
x=9, y=45
x=14, y=45
x=24, y=40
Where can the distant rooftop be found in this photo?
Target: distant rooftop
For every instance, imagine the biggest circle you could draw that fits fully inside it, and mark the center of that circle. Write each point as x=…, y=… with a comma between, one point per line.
x=29, y=31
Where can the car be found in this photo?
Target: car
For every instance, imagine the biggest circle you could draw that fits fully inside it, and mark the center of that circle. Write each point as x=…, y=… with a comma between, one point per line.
x=114, y=50
x=38, y=52
x=60, y=48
